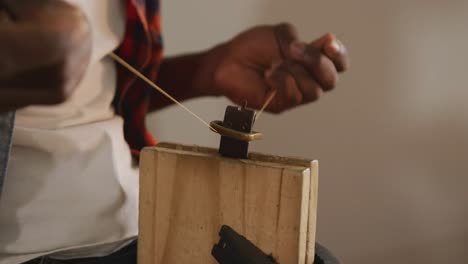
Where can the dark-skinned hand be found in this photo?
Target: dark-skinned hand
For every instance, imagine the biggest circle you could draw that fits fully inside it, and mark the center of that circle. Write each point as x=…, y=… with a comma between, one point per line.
x=272, y=58
x=45, y=47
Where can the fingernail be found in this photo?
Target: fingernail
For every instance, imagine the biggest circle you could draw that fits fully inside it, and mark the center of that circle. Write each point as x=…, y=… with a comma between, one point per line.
x=297, y=50
x=335, y=46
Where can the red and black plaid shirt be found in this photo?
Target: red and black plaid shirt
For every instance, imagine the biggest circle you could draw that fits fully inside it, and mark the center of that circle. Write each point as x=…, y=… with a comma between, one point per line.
x=142, y=48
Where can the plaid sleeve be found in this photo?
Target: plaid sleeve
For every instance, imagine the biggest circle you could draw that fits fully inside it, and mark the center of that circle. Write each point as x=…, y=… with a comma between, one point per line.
x=142, y=48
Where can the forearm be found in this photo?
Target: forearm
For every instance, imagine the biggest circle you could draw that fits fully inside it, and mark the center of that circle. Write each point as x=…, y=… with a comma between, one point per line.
x=185, y=77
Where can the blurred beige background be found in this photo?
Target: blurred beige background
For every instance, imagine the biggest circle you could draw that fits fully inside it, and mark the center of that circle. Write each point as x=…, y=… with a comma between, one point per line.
x=392, y=140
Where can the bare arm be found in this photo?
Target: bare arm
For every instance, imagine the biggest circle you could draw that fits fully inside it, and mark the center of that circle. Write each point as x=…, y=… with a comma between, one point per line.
x=255, y=63
x=187, y=76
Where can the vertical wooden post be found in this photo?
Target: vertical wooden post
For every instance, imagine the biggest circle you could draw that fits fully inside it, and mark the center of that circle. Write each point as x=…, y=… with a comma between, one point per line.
x=188, y=192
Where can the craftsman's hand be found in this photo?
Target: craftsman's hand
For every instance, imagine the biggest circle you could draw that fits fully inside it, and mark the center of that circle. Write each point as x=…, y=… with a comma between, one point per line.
x=45, y=47
x=272, y=58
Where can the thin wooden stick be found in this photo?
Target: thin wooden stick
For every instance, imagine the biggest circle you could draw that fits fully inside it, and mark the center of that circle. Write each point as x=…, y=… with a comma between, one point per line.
x=159, y=89
x=265, y=105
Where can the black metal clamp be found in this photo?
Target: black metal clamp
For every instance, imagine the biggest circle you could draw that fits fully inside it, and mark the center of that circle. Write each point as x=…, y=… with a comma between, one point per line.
x=233, y=248
x=236, y=131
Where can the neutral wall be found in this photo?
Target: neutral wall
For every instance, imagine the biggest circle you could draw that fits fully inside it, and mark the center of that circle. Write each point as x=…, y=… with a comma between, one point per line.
x=392, y=140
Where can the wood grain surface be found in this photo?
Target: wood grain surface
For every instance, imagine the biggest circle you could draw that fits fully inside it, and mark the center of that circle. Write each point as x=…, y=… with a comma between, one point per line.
x=188, y=192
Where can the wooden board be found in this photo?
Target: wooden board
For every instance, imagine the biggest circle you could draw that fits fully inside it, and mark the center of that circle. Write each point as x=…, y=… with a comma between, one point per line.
x=188, y=192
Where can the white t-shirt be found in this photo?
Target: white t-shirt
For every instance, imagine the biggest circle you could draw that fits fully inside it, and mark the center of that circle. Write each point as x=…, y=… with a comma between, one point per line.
x=71, y=190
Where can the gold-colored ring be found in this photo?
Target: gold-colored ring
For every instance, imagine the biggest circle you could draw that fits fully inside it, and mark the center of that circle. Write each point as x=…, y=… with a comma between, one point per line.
x=228, y=132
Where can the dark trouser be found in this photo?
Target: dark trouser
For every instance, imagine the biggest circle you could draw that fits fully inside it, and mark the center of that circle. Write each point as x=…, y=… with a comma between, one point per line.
x=128, y=255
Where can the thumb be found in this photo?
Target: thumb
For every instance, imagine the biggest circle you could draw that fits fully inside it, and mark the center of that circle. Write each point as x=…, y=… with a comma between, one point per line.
x=329, y=45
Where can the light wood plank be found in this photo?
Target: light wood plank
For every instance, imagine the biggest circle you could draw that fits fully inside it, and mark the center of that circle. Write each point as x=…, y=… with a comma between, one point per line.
x=312, y=219
x=187, y=193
